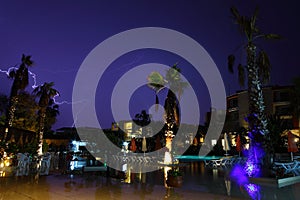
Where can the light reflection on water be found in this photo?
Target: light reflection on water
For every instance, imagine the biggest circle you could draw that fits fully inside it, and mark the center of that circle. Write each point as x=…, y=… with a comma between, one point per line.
x=197, y=177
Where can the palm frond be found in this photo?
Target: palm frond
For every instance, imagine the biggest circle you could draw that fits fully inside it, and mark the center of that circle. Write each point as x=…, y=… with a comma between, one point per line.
x=272, y=36
x=241, y=75
x=26, y=60
x=253, y=21
x=235, y=14
x=173, y=77
x=156, y=81
x=45, y=92
x=264, y=65
x=173, y=74
x=230, y=62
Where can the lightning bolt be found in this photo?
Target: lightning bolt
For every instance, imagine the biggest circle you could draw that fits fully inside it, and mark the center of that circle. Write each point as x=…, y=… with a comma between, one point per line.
x=65, y=102
x=33, y=75
x=60, y=103
x=35, y=85
x=9, y=70
x=137, y=59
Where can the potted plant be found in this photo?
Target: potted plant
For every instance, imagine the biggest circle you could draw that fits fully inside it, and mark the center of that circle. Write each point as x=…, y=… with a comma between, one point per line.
x=174, y=178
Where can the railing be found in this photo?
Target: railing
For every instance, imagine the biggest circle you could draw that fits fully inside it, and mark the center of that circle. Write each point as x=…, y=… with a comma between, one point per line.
x=27, y=165
x=292, y=167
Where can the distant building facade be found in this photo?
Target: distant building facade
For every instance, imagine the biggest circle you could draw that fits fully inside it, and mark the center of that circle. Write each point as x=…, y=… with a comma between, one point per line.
x=277, y=101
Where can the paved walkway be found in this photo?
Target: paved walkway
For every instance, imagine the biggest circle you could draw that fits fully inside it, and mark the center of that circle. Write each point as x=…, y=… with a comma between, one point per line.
x=64, y=187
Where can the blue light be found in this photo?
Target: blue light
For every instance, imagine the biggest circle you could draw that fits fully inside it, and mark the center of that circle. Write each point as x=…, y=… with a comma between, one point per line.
x=238, y=174
x=252, y=167
x=253, y=190
x=255, y=156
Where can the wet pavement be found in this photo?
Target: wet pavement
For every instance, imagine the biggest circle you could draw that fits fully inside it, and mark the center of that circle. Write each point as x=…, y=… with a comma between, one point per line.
x=199, y=182
x=91, y=187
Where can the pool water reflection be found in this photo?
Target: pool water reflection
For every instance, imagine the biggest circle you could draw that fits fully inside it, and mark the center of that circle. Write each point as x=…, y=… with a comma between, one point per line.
x=200, y=178
x=199, y=182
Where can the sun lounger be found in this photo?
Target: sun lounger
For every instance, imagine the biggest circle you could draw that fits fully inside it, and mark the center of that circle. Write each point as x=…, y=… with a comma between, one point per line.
x=289, y=167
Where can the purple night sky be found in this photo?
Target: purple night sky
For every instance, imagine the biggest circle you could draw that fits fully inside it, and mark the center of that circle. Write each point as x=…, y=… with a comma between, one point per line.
x=60, y=34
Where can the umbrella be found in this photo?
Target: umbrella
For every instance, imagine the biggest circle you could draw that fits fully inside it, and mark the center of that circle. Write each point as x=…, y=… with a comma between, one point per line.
x=292, y=147
x=226, y=143
x=133, y=145
x=195, y=142
x=239, y=147
x=144, y=147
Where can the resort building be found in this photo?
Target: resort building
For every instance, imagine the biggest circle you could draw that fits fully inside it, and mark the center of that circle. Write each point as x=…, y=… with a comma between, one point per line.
x=278, y=101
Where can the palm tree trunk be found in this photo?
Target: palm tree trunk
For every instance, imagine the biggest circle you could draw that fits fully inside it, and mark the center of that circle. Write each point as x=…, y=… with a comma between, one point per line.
x=256, y=118
x=42, y=116
x=10, y=115
x=41, y=131
x=171, y=118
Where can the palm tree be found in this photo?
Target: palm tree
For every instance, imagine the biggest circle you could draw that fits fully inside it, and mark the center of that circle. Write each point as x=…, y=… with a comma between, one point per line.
x=176, y=85
x=142, y=119
x=275, y=142
x=173, y=78
x=45, y=93
x=257, y=68
x=156, y=82
x=52, y=112
x=25, y=115
x=258, y=72
x=20, y=82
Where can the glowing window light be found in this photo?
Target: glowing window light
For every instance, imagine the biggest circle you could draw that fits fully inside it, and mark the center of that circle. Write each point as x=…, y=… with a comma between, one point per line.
x=201, y=139
x=213, y=142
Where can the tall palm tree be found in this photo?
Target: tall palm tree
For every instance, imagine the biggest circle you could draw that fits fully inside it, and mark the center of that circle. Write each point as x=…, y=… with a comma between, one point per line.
x=176, y=85
x=45, y=93
x=20, y=82
x=25, y=115
x=258, y=72
x=257, y=68
x=52, y=112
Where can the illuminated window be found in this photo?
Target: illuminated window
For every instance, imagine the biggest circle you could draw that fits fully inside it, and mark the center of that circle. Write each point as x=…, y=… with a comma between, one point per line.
x=128, y=125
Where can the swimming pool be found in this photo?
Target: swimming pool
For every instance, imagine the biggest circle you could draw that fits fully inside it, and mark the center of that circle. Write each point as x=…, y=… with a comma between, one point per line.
x=199, y=178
